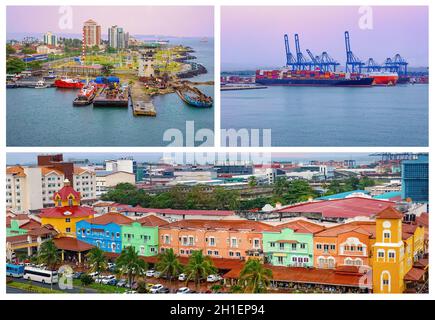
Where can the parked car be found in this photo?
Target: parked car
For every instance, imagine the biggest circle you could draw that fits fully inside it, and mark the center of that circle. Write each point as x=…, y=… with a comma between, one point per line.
x=150, y=273
x=157, y=274
x=106, y=279
x=183, y=290
x=94, y=274
x=163, y=290
x=121, y=283
x=182, y=277
x=155, y=288
x=78, y=275
x=214, y=278
x=112, y=282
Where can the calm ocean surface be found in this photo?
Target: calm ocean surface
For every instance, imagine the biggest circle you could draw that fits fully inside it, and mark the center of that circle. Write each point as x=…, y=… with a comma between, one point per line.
x=46, y=117
x=313, y=116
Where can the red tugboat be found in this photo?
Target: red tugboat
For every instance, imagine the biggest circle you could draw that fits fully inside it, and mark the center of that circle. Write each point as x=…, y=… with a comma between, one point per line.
x=68, y=83
x=86, y=95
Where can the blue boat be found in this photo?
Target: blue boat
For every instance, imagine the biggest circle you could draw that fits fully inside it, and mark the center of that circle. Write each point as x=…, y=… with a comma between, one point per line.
x=200, y=101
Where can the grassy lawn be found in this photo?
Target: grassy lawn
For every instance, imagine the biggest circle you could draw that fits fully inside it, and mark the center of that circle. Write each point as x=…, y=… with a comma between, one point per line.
x=101, y=288
x=32, y=288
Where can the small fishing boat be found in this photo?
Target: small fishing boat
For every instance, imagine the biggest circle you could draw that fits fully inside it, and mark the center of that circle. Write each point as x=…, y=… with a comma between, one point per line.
x=198, y=100
x=41, y=85
x=11, y=85
x=86, y=95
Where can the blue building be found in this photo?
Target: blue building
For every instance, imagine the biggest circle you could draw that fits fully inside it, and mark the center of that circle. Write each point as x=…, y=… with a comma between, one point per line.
x=103, y=232
x=415, y=179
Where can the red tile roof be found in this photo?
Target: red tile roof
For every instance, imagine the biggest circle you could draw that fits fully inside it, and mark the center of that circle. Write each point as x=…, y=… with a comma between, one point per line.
x=152, y=221
x=415, y=274
x=341, y=208
x=139, y=209
x=65, y=212
x=65, y=192
x=16, y=170
x=72, y=244
x=110, y=217
x=364, y=227
x=250, y=225
x=389, y=213
x=423, y=220
x=301, y=226
x=309, y=276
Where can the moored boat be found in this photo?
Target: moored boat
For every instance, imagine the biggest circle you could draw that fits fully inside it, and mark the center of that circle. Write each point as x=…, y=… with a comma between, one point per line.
x=41, y=85
x=68, y=83
x=381, y=78
x=86, y=95
x=199, y=101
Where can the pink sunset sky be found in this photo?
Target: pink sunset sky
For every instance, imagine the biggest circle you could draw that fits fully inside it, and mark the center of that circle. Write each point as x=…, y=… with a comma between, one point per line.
x=253, y=36
x=179, y=21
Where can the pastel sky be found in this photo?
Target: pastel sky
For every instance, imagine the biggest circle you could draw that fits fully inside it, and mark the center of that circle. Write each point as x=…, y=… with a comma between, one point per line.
x=253, y=36
x=180, y=21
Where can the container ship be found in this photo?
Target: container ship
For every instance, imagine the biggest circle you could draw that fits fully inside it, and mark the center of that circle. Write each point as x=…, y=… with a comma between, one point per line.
x=68, y=83
x=286, y=77
x=384, y=78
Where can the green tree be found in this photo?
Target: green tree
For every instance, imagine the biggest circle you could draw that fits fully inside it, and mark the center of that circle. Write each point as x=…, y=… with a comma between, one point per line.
x=169, y=264
x=252, y=181
x=15, y=65
x=298, y=191
x=280, y=187
x=199, y=267
x=225, y=199
x=10, y=50
x=254, y=277
x=130, y=264
x=34, y=65
x=97, y=261
x=107, y=68
x=48, y=254
x=86, y=280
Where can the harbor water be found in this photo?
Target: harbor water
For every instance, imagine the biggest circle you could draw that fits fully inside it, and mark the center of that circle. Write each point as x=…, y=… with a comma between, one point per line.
x=332, y=116
x=46, y=117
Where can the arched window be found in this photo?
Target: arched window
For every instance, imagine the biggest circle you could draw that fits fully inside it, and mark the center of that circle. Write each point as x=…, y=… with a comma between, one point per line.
x=331, y=262
x=391, y=255
x=385, y=281
x=386, y=236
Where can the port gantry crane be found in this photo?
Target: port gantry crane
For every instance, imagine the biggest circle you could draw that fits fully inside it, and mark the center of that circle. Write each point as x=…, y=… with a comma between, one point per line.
x=353, y=64
x=397, y=64
x=371, y=65
x=290, y=59
x=301, y=62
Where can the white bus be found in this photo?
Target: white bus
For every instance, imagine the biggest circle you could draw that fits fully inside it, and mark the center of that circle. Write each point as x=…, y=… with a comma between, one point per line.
x=40, y=275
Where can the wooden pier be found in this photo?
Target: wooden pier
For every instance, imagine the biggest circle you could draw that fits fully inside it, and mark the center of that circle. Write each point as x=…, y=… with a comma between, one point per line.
x=141, y=103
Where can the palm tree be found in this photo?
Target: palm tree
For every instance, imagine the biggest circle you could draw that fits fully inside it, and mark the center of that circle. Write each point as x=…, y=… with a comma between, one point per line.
x=131, y=264
x=199, y=266
x=169, y=264
x=48, y=254
x=254, y=277
x=97, y=260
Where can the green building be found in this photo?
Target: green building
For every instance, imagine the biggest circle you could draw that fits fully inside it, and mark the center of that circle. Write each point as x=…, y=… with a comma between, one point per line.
x=290, y=244
x=143, y=235
x=14, y=229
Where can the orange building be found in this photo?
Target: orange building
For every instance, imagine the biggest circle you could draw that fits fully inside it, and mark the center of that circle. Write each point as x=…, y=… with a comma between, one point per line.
x=233, y=239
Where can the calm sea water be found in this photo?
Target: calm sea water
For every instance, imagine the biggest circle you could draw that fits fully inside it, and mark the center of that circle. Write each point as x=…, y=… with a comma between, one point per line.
x=46, y=117
x=312, y=116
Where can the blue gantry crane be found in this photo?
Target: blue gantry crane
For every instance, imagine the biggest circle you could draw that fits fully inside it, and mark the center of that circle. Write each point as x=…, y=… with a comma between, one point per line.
x=328, y=64
x=371, y=65
x=353, y=63
x=302, y=63
x=290, y=59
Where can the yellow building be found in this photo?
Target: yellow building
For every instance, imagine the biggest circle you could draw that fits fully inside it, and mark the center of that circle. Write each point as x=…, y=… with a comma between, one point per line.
x=397, y=247
x=67, y=211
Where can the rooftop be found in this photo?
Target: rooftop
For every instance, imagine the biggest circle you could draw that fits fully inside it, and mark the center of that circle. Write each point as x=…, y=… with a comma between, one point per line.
x=110, y=217
x=152, y=221
x=300, y=226
x=62, y=212
x=234, y=225
x=138, y=209
x=341, y=208
x=72, y=244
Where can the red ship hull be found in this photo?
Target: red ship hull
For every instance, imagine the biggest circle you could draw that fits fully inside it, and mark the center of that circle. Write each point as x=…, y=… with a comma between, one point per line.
x=69, y=84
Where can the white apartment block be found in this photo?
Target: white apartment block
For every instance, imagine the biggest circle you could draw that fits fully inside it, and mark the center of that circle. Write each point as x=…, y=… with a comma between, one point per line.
x=32, y=188
x=126, y=165
x=85, y=183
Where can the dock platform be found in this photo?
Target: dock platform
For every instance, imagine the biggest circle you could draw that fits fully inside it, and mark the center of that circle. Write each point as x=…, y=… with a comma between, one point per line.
x=142, y=108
